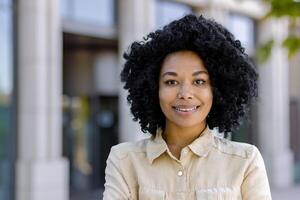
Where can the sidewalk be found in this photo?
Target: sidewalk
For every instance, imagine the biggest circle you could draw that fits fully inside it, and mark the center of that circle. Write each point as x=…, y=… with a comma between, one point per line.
x=286, y=194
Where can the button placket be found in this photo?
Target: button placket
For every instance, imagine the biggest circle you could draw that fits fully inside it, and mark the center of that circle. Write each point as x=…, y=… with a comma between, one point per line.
x=184, y=151
x=180, y=173
x=185, y=156
x=180, y=170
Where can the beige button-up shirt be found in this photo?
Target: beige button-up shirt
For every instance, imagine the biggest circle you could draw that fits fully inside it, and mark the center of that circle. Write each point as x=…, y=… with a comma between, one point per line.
x=210, y=168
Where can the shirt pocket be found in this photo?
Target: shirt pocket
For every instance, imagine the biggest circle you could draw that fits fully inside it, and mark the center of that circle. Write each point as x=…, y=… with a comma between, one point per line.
x=216, y=194
x=151, y=194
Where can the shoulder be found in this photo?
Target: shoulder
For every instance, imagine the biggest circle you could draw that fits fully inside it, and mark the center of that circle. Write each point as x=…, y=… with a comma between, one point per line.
x=122, y=150
x=243, y=150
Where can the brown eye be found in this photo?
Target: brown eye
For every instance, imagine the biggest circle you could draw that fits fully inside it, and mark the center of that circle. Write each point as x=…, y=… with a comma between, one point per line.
x=199, y=82
x=171, y=82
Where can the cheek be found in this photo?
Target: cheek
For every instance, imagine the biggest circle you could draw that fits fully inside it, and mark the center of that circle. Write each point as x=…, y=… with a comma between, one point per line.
x=210, y=99
x=207, y=96
x=166, y=95
x=163, y=103
x=166, y=98
x=163, y=98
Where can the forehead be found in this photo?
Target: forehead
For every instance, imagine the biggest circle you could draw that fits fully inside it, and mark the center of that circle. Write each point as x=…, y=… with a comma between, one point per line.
x=183, y=61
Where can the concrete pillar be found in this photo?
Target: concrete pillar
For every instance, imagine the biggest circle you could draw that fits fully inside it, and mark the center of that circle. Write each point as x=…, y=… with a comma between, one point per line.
x=273, y=107
x=41, y=172
x=136, y=18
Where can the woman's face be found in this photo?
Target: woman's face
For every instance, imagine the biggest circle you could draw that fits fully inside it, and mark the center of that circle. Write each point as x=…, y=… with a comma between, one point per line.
x=185, y=91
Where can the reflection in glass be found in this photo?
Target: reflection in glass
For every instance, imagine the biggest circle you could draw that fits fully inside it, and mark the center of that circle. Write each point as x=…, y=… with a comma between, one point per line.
x=5, y=52
x=98, y=12
x=6, y=81
x=166, y=11
x=89, y=131
x=5, y=3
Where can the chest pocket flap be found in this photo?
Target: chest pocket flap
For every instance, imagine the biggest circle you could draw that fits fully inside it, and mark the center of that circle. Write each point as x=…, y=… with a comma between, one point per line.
x=151, y=194
x=216, y=194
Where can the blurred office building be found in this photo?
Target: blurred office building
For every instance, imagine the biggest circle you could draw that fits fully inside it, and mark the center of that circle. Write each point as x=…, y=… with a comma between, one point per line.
x=62, y=105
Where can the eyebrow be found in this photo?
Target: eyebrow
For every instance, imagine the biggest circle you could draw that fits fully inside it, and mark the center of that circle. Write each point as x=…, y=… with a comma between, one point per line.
x=175, y=74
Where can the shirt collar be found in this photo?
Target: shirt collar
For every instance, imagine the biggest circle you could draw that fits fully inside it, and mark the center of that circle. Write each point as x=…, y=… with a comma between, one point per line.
x=200, y=146
x=156, y=146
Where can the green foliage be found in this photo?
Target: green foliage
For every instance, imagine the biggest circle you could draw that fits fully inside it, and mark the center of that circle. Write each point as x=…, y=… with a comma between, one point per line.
x=264, y=52
x=282, y=8
x=292, y=43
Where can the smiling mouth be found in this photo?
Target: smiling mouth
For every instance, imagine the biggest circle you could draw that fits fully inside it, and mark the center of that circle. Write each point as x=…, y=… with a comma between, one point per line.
x=186, y=109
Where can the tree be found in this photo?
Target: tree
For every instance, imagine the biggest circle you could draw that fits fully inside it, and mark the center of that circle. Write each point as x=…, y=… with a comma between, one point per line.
x=291, y=10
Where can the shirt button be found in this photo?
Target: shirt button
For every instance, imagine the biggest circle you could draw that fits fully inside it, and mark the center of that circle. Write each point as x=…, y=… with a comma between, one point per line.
x=185, y=151
x=179, y=173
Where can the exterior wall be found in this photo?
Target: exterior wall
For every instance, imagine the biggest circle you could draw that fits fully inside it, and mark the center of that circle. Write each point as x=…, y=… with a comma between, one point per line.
x=105, y=73
x=294, y=77
x=294, y=70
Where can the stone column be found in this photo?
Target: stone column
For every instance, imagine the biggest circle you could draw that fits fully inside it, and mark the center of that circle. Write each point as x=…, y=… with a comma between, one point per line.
x=41, y=172
x=136, y=18
x=273, y=107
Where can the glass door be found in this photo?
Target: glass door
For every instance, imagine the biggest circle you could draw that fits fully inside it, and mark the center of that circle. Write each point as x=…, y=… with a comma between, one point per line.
x=7, y=108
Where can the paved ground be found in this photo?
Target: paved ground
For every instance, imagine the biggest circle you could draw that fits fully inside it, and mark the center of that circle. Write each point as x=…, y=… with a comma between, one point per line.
x=93, y=195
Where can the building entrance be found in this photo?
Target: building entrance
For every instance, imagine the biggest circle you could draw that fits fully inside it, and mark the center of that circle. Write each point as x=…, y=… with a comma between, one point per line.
x=90, y=113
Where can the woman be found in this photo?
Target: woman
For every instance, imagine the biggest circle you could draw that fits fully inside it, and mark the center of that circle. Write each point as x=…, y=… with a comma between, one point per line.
x=183, y=81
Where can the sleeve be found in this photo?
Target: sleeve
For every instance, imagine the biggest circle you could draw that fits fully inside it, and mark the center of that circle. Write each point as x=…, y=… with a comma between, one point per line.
x=115, y=185
x=255, y=185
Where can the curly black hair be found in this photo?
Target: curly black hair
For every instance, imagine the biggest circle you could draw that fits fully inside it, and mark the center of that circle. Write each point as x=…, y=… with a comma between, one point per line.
x=233, y=75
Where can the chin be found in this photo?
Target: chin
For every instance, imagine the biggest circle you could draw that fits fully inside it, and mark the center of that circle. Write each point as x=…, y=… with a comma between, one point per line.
x=183, y=124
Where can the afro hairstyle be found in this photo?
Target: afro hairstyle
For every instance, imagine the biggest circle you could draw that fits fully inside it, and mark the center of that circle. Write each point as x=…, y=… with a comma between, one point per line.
x=233, y=75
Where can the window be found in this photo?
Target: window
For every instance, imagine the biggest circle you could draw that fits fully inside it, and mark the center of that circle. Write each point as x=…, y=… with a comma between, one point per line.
x=167, y=11
x=6, y=101
x=96, y=12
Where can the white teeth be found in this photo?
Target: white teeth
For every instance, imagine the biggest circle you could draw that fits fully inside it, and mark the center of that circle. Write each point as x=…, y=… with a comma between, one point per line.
x=186, y=109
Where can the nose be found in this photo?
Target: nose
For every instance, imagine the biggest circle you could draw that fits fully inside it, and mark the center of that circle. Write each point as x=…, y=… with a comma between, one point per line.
x=185, y=92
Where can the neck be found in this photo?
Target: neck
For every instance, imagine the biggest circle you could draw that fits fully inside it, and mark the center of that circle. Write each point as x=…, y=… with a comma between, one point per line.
x=181, y=137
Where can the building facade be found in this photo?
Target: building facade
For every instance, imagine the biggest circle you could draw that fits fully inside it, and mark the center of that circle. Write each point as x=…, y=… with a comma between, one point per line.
x=63, y=106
